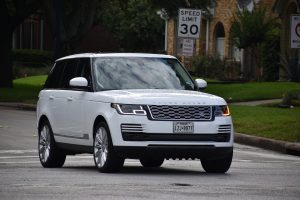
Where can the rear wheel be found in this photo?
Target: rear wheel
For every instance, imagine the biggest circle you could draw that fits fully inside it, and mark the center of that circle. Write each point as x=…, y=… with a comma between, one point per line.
x=49, y=154
x=219, y=165
x=151, y=162
x=105, y=158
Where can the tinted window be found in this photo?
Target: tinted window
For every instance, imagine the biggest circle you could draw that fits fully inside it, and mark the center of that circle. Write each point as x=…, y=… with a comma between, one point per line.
x=69, y=72
x=140, y=73
x=54, y=78
x=84, y=69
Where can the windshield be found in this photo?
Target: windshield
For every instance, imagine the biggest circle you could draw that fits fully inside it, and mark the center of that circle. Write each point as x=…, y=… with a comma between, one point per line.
x=115, y=73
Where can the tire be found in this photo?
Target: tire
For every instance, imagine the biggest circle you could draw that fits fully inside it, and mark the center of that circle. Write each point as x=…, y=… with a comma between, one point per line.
x=105, y=158
x=151, y=162
x=50, y=156
x=219, y=165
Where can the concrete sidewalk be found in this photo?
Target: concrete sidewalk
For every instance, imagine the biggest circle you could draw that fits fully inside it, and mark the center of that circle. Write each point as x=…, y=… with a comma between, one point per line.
x=257, y=103
x=292, y=148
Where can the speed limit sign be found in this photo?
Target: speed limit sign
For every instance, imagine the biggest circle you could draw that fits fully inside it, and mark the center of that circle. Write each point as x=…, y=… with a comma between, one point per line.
x=189, y=21
x=295, y=31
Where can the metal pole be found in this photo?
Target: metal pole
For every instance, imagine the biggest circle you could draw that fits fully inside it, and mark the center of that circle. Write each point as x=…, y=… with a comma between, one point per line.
x=207, y=37
x=166, y=35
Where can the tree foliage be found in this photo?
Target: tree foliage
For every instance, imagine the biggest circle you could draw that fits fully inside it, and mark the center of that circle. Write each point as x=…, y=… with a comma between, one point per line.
x=173, y=6
x=135, y=24
x=12, y=13
x=69, y=21
x=250, y=28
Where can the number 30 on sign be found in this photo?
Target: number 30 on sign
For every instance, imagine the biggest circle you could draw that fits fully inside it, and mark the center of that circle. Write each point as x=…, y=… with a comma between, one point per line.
x=189, y=21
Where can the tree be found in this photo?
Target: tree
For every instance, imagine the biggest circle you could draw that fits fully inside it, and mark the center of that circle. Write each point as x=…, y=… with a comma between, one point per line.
x=173, y=6
x=12, y=13
x=69, y=21
x=135, y=24
x=249, y=30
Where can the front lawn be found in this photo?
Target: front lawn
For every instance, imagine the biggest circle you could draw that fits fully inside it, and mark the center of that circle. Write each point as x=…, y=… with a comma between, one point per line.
x=25, y=90
x=270, y=122
x=252, y=90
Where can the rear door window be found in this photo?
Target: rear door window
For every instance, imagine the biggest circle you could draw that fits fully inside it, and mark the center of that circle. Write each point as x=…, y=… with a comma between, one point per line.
x=54, y=78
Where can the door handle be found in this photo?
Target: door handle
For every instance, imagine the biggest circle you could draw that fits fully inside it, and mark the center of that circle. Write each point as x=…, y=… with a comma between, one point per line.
x=51, y=97
x=70, y=98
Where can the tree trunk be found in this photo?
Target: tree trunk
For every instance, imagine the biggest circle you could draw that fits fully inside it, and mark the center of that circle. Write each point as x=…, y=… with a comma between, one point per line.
x=6, y=72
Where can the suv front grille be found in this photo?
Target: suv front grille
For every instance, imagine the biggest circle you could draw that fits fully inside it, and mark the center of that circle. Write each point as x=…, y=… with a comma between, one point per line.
x=170, y=112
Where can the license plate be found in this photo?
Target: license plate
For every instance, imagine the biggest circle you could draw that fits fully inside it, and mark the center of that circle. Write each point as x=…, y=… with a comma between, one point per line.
x=183, y=127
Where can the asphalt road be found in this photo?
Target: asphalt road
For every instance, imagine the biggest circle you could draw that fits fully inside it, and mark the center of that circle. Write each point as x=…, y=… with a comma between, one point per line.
x=255, y=173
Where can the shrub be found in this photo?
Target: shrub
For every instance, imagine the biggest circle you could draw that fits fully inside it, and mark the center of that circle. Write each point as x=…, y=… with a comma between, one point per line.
x=269, y=58
x=21, y=71
x=215, y=68
x=291, y=98
x=232, y=70
x=290, y=64
x=208, y=67
x=30, y=62
x=32, y=57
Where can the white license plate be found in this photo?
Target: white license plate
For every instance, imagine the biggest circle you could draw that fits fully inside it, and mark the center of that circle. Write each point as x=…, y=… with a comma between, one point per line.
x=183, y=127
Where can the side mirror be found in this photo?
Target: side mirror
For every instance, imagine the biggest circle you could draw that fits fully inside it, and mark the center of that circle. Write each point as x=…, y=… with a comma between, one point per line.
x=202, y=84
x=78, y=82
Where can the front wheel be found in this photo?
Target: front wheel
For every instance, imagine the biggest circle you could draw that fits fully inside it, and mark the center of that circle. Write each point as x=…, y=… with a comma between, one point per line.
x=217, y=165
x=50, y=156
x=104, y=156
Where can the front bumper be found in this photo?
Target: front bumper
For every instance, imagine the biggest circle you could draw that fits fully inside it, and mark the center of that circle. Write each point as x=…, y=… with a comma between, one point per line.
x=161, y=132
x=173, y=151
x=220, y=137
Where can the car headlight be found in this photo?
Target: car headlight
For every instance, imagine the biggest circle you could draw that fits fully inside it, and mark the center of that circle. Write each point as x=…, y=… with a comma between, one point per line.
x=222, y=111
x=129, y=109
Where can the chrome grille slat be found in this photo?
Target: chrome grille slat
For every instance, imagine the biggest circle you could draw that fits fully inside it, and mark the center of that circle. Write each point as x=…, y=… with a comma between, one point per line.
x=175, y=112
x=136, y=128
x=224, y=128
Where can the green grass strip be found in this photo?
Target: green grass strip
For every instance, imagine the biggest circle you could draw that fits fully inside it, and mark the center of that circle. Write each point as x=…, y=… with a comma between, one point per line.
x=270, y=122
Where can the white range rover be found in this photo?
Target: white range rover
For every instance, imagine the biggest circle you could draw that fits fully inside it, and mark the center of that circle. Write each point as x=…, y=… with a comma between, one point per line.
x=129, y=105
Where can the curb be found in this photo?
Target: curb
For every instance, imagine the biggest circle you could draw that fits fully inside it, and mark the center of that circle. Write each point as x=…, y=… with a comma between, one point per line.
x=20, y=106
x=270, y=144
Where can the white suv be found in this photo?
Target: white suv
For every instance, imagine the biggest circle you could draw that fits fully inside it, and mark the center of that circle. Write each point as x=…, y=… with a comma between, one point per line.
x=139, y=106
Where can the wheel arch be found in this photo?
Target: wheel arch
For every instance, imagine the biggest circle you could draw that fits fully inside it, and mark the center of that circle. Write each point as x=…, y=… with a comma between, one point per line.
x=99, y=119
x=41, y=120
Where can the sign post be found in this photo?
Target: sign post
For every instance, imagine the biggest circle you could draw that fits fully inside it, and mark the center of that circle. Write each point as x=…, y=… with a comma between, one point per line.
x=295, y=31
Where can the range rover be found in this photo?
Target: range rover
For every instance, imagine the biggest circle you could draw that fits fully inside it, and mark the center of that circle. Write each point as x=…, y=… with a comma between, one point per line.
x=128, y=105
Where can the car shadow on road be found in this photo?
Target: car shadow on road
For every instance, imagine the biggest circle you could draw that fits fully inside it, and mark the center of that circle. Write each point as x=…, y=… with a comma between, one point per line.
x=139, y=170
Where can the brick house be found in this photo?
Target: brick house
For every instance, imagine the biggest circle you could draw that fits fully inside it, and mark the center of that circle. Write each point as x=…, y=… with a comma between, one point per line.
x=215, y=32
x=35, y=33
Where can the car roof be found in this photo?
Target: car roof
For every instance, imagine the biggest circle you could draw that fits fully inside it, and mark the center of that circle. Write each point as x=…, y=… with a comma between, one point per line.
x=96, y=55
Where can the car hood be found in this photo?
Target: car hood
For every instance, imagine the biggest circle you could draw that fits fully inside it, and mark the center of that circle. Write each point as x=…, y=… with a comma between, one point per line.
x=158, y=97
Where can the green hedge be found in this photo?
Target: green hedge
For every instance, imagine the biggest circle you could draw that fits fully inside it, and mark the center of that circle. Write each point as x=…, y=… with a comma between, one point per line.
x=31, y=57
